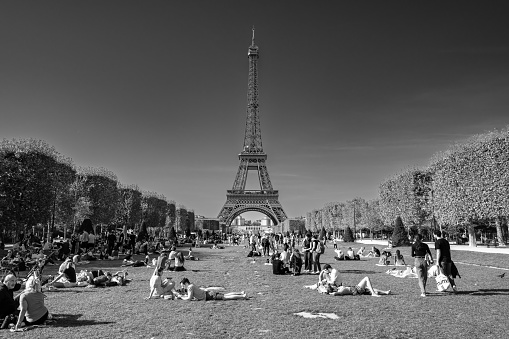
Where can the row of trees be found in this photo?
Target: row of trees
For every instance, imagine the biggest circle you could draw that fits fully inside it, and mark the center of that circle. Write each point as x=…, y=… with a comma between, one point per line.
x=464, y=187
x=358, y=214
x=39, y=186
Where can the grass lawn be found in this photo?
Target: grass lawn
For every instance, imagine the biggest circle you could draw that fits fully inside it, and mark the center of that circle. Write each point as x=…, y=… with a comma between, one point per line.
x=478, y=311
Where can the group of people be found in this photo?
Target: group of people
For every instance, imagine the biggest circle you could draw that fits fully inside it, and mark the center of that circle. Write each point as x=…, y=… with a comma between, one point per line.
x=329, y=282
x=166, y=289
x=26, y=309
x=424, y=258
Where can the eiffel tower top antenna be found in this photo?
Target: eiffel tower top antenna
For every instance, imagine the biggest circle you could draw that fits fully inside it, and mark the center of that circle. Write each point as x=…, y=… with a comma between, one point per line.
x=253, y=134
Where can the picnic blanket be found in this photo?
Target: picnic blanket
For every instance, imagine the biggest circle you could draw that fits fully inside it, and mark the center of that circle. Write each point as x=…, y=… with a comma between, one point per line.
x=408, y=273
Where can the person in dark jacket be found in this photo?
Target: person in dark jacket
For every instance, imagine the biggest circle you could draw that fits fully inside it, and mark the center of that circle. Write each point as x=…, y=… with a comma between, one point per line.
x=8, y=306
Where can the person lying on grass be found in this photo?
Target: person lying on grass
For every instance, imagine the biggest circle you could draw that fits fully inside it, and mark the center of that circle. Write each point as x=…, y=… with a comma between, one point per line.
x=160, y=288
x=88, y=276
x=135, y=263
x=107, y=279
x=198, y=293
x=32, y=308
x=363, y=287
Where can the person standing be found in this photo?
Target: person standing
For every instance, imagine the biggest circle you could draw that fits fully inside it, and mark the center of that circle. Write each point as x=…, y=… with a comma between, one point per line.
x=306, y=248
x=315, y=249
x=91, y=241
x=252, y=242
x=84, y=240
x=74, y=242
x=419, y=251
x=444, y=257
x=111, y=240
x=265, y=245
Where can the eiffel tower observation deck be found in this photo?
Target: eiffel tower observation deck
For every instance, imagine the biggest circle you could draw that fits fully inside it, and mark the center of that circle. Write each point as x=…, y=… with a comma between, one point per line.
x=252, y=158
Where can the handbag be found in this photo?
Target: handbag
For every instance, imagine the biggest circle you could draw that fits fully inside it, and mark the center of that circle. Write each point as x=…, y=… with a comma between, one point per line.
x=442, y=282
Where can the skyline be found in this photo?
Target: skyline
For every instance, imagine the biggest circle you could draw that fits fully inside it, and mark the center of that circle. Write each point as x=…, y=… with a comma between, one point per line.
x=350, y=93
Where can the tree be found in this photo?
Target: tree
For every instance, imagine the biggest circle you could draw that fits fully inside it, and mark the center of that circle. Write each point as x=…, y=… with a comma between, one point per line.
x=400, y=235
x=28, y=183
x=348, y=237
x=470, y=183
x=373, y=217
x=128, y=210
x=101, y=185
x=323, y=234
x=173, y=234
x=86, y=225
x=407, y=195
x=143, y=234
x=181, y=218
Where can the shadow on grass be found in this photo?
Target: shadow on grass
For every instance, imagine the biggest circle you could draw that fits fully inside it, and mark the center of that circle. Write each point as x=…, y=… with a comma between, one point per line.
x=358, y=272
x=492, y=291
x=72, y=320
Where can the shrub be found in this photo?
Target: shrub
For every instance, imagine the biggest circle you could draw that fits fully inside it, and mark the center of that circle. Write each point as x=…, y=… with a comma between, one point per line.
x=400, y=235
x=348, y=235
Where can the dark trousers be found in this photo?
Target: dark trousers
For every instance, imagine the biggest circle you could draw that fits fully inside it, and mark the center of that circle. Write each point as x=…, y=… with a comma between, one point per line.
x=308, y=261
x=446, y=265
x=316, y=262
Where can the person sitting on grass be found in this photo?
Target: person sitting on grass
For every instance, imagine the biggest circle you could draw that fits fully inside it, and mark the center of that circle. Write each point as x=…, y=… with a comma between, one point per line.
x=197, y=293
x=191, y=256
x=363, y=287
x=384, y=258
x=398, y=259
x=179, y=262
x=296, y=262
x=329, y=278
x=375, y=252
x=360, y=252
x=160, y=288
x=8, y=306
x=350, y=254
x=339, y=255
x=32, y=308
x=66, y=277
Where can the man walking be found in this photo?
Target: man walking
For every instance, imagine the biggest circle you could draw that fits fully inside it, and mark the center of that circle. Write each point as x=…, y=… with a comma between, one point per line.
x=444, y=257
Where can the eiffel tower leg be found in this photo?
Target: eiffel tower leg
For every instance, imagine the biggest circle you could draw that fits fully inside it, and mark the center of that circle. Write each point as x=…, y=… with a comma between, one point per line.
x=241, y=178
x=263, y=175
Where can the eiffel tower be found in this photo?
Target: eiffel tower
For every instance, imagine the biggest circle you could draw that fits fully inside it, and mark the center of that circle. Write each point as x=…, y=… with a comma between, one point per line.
x=252, y=158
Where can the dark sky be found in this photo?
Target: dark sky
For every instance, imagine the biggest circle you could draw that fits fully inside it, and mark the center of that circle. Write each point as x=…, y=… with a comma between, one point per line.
x=350, y=92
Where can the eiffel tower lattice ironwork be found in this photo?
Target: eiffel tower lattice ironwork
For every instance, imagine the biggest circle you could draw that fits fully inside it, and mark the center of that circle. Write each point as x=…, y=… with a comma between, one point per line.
x=252, y=158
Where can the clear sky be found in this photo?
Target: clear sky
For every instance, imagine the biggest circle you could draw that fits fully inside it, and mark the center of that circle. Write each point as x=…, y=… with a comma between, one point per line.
x=351, y=92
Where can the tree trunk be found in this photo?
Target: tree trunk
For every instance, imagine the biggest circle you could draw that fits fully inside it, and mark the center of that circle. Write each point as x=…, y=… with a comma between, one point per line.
x=471, y=236
x=500, y=234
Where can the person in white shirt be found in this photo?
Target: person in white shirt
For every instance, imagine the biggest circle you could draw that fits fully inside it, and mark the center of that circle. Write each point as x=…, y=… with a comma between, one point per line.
x=160, y=288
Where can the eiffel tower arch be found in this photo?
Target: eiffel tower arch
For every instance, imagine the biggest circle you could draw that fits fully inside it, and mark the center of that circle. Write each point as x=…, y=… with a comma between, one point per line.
x=252, y=158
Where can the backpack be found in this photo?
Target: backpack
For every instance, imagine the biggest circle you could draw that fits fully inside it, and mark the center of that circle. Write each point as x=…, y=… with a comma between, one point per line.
x=322, y=247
